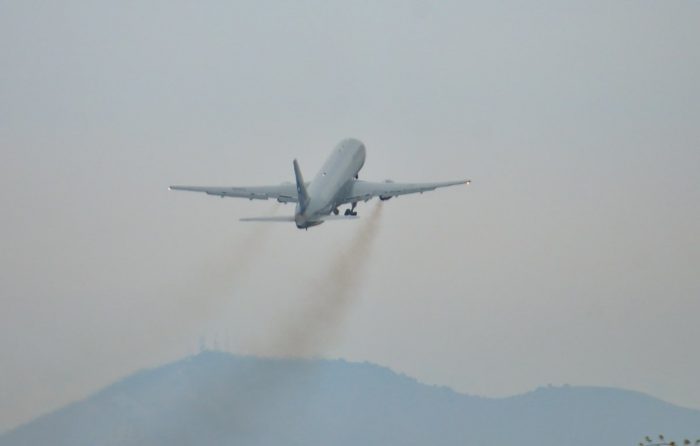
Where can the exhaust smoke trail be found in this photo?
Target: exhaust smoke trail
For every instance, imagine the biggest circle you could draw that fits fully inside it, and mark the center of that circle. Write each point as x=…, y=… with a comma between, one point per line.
x=328, y=301
x=200, y=292
x=306, y=335
x=248, y=401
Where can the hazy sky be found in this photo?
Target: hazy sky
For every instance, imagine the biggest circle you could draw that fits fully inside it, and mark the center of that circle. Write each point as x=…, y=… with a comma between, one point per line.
x=573, y=257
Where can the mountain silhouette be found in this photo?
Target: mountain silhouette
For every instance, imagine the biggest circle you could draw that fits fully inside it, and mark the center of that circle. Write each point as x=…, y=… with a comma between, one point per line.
x=216, y=398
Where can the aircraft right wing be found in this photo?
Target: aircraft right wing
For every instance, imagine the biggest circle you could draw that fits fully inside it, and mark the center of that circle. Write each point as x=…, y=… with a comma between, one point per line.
x=364, y=190
x=284, y=193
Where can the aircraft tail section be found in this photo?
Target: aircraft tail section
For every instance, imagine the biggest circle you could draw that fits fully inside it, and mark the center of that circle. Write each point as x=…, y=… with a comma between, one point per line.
x=302, y=193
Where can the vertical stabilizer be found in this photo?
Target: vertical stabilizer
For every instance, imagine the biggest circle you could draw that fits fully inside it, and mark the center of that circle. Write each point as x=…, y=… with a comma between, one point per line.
x=302, y=193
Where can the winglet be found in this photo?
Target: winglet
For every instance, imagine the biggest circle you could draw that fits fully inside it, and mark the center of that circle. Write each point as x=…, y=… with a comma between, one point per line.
x=302, y=193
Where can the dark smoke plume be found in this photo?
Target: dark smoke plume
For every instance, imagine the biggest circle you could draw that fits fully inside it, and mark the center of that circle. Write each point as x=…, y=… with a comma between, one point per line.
x=197, y=294
x=306, y=333
x=257, y=384
x=327, y=302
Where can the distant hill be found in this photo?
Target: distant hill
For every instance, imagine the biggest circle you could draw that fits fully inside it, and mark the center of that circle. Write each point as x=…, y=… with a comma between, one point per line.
x=216, y=398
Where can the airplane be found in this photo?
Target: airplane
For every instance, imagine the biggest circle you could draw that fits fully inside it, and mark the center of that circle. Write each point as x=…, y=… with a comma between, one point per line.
x=335, y=184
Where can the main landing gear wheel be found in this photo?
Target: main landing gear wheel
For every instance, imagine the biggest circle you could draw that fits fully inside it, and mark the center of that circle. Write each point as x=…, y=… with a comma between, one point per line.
x=351, y=211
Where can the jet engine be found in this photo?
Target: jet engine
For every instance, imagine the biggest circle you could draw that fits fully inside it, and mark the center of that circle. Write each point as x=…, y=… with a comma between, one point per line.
x=386, y=197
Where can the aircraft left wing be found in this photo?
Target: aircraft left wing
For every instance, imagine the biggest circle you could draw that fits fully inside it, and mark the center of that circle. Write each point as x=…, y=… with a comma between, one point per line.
x=364, y=190
x=284, y=193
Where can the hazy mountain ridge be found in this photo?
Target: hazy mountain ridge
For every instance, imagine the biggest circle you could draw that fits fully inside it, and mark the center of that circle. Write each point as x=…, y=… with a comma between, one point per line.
x=218, y=398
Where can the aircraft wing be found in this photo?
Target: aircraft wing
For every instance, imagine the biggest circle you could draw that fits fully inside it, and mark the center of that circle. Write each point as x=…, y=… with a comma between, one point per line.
x=364, y=190
x=284, y=193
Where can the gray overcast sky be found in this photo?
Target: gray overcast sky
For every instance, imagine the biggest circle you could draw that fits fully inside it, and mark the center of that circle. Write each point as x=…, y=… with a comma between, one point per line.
x=572, y=258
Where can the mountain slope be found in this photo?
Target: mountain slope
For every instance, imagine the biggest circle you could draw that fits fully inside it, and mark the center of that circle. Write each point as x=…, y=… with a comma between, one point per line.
x=217, y=398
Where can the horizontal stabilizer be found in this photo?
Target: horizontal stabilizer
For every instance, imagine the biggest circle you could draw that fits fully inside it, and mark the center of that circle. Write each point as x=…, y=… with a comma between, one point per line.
x=290, y=218
x=278, y=218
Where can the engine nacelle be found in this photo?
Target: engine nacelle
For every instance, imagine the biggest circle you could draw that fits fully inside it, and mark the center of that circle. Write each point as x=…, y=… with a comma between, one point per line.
x=386, y=197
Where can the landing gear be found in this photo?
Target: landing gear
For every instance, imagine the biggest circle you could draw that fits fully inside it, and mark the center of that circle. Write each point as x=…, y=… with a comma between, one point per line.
x=335, y=211
x=351, y=211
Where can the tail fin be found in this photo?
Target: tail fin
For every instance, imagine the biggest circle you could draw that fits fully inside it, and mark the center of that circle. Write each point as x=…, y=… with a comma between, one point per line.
x=302, y=193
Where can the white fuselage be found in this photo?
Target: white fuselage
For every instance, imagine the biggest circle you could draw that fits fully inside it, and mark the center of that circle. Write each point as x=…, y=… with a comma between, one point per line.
x=328, y=186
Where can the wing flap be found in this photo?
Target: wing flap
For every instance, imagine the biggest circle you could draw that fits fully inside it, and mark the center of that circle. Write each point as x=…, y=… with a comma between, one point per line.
x=365, y=190
x=284, y=193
